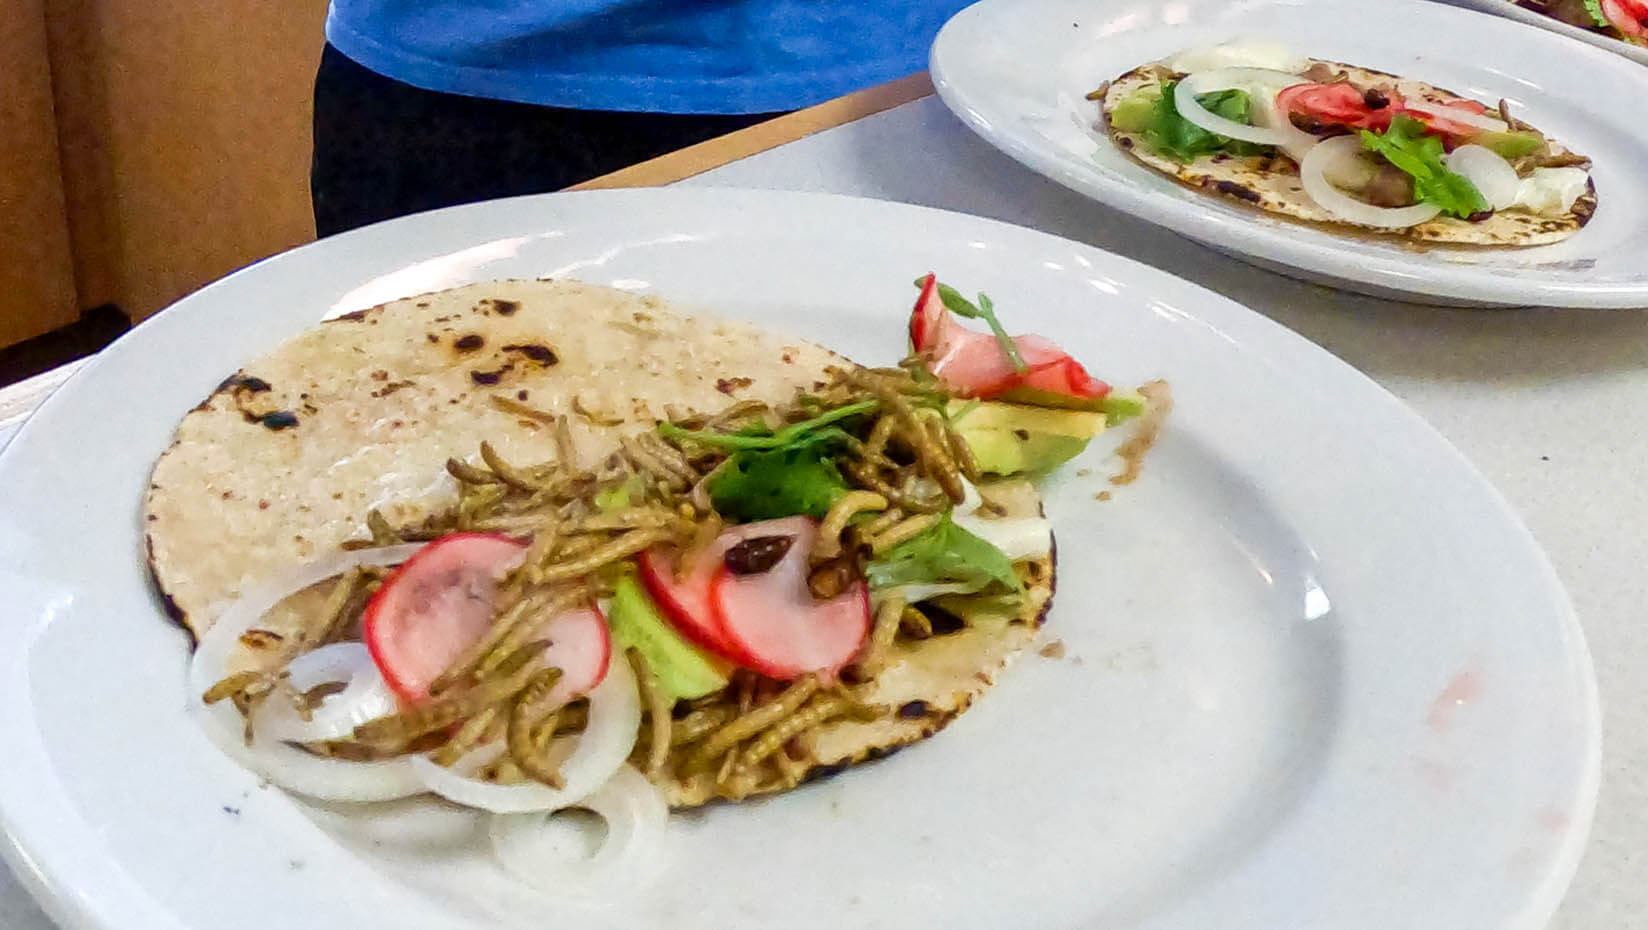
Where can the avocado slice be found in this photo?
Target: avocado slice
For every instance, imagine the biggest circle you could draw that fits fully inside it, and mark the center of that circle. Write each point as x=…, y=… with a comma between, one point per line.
x=682, y=670
x=1508, y=145
x=1137, y=111
x=1007, y=439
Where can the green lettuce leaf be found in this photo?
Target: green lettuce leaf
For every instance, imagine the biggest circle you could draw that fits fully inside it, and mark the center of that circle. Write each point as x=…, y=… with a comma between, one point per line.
x=1181, y=140
x=1406, y=145
x=1594, y=7
x=945, y=554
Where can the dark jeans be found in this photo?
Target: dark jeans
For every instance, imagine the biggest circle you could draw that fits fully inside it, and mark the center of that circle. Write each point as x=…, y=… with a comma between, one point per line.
x=385, y=149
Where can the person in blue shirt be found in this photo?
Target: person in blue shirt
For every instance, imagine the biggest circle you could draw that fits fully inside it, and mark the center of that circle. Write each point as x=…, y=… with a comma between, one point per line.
x=426, y=103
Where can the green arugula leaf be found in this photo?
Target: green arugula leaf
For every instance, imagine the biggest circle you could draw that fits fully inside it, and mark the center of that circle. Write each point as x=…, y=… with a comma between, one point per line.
x=811, y=431
x=1406, y=145
x=766, y=485
x=985, y=310
x=945, y=554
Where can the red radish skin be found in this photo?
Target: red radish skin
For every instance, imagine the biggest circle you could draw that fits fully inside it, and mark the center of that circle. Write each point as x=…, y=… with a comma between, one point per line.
x=686, y=601
x=431, y=608
x=782, y=631
x=580, y=645
x=973, y=365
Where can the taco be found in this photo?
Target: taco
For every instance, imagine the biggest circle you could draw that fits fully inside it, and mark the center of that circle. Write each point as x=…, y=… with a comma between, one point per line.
x=1348, y=148
x=1625, y=20
x=523, y=543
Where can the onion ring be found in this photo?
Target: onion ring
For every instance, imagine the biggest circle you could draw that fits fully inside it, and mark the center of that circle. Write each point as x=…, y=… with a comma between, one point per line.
x=632, y=852
x=364, y=697
x=1347, y=208
x=1203, y=82
x=281, y=763
x=608, y=737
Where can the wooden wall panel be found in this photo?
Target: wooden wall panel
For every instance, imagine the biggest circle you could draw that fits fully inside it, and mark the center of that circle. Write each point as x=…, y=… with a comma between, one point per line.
x=36, y=274
x=185, y=131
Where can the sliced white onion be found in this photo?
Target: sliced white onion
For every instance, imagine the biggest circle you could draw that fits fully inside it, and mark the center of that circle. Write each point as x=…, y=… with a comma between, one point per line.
x=1016, y=537
x=1458, y=115
x=283, y=764
x=916, y=593
x=365, y=696
x=1249, y=79
x=1492, y=175
x=289, y=767
x=536, y=851
x=1296, y=143
x=1343, y=206
x=608, y=737
x=210, y=662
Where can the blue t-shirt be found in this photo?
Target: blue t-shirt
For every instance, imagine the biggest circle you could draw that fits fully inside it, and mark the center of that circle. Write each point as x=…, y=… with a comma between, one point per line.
x=667, y=56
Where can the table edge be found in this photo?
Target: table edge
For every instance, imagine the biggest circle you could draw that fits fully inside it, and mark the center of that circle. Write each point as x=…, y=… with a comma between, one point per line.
x=722, y=150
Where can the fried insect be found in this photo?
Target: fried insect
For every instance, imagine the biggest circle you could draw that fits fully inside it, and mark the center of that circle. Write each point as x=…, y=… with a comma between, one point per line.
x=658, y=712
x=402, y=728
x=828, y=543
x=525, y=714
x=753, y=722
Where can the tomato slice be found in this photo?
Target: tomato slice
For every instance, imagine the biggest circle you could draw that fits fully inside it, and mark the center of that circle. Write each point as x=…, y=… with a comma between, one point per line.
x=1337, y=104
x=1436, y=118
x=434, y=606
x=686, y=602
x=780, y=628
x=973, y=365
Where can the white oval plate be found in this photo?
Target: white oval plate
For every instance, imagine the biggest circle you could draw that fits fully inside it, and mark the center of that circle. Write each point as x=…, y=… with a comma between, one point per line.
x=1016, y=72
x=1316, y=673
x=1524, y=15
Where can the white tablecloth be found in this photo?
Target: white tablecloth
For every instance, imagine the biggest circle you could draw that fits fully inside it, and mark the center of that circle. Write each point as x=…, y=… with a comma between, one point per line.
x=1551, y=405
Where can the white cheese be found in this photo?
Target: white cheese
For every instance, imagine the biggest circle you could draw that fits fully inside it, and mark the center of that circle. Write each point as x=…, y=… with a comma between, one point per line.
x=1272, y=56
x=1551, y=191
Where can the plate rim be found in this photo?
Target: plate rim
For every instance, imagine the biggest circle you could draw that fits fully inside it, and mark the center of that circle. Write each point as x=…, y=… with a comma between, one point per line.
x=1311, y=261
x=1509, y=10
x=49, y=880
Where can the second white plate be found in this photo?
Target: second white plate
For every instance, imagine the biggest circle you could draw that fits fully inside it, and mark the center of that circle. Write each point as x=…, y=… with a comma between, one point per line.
x=1016, y=71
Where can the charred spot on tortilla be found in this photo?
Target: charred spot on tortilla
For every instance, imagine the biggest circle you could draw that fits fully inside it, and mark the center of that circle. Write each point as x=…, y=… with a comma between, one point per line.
x=541, y=354
x=468, y=342
x=488, y=377
x=913, y=710
x=353, y=316
x=279, y=419
x=499, y=305
x=1234, y=189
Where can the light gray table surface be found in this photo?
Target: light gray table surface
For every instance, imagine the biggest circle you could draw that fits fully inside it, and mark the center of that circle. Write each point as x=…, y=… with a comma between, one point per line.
x=1551, y=405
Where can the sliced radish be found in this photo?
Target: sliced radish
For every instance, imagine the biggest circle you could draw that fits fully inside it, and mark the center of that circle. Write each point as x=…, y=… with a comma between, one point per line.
x=1628, y=16
x=435, y=606
x=973, y=364
x=782, y=631
x=686, y=601
x=580, y=645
